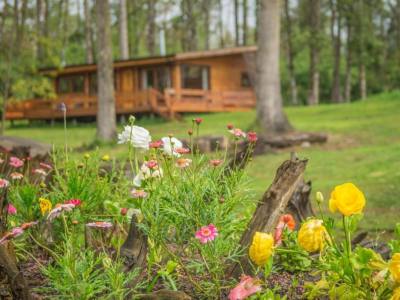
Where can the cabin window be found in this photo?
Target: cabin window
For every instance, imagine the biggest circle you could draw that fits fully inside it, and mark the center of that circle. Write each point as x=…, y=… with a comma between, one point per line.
x=158, y=78
x=245, y=79
x=195, y=77
x=71, y=84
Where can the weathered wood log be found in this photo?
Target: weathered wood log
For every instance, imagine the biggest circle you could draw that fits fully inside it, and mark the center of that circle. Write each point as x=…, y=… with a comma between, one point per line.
x=272, y=205
x=24, y=147
x=299, y=205
x=164, y=295
x=294, y=138
x=134, y=249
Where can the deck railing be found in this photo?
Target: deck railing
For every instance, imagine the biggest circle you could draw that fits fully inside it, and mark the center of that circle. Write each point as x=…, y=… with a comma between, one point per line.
x=151, y=100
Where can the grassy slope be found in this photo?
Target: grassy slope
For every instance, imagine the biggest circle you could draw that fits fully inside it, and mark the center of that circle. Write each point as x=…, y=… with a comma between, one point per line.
x=364, y=147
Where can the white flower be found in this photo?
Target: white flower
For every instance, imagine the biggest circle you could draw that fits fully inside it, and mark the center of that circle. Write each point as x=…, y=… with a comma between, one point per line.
x=138, y=136
x=145, y=172
x=170, y=144
x=56, y=212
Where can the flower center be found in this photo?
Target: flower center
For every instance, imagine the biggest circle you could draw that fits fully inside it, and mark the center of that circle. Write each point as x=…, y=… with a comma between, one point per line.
x=206, y=232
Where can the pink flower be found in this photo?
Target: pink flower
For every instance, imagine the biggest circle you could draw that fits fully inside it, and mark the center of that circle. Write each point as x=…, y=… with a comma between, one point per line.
x=252, y=137
x=152, y=164
x=182, y=150
x=16, y=176
x=238, y=133
x=45, y=166
x=75, y=202
x=215, y=162
x=4, y=183
x=183, y=162
x=100, y=224
x=56, y=212
x=198, y=121
x=155, y=144
x=16, y=162
x=285, y=221
x=40, y=171
x=11, y=210
x=246, y=287
x=16, y=231
x=138, y=193
x=206, y=233
x=124, y=211
x=1, y=160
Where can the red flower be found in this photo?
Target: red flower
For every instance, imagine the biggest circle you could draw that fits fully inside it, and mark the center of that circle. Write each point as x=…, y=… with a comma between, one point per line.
x=230, y=126
x=215, y=162
x=124, y=211
x=75, y=202
x=152, y=164
x=156, y=144
x=198, y=121
x=252, y=137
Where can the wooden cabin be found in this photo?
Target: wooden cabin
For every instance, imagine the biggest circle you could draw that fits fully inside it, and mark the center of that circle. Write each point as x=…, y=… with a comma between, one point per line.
x=206, y=81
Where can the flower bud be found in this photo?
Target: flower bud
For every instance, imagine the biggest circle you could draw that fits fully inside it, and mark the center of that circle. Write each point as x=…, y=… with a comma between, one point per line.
x=320, y=197
x=124, y=211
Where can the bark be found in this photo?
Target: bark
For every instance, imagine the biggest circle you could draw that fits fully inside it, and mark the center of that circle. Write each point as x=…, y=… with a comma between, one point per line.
x=272, y=205
x=363, y=81
x=4, y=16
x=290, y=55
x=151, y=27
x=256, y=15
x=336, y=42
x=106, y=119
x=237, y=37
x=313, y=93
x=349, y=61
x=123, y=30
x=190, y=31
x=221, y=25
x=206, y=24
x=245, y=24
x=88, y=32
x=270, y=113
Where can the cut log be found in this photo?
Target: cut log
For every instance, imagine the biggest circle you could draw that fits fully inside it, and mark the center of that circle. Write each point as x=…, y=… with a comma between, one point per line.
x=134, y=249
x=299, y=205
x=164, y=295
x=294, y=138
x=24, y=147
x=272, y=205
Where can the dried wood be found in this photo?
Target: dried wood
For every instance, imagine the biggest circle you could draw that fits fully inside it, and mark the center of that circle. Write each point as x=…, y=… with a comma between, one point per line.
x=164, y=295
x=272, y=205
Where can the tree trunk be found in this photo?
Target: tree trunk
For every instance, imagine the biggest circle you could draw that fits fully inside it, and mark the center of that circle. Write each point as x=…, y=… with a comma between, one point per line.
x=106, y=119
x=221, y=25
x=245, y=27
x=290, y=55
x=123, y=30
x=88, y=33
x=363, y=82
x=237, y=37
x=313, y=93
x=270, y=113
x=206, y=24
x=190, y=31
x=336, y=42
x=256, y=15
x=151, y=27
x=347, y=84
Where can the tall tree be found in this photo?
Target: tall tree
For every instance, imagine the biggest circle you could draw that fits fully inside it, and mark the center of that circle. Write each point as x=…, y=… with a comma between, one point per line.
x=123, y=30
x=206, y=7
x=88, y=32
x=237, y=36
x=221, y=25
x=290, y=54
x=151, y=27
x=336, y=32
x=106, y=119
x=190, y=26
x=314, y=25
x=270, y=113
x=245, y=23
x=349, y=53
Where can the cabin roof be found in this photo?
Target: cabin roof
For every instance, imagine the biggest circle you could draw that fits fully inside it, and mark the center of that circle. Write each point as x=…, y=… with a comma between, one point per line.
x=153, y=60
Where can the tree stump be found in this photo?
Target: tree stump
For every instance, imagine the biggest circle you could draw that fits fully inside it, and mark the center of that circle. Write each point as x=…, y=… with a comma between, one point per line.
x=273, y=204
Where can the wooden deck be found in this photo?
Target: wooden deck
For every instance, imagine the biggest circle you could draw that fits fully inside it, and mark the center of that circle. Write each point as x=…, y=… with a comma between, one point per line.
x=165, y=104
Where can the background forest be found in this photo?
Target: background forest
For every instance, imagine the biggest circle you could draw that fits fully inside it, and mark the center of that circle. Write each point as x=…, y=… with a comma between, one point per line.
x=351, y=47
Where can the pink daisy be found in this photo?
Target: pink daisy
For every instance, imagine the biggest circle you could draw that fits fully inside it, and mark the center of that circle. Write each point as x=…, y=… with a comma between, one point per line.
x=16, y=162
x=238, y=133
x=215, y=162
x=45, y=166
x=40, y=171
x=138, y=193
x=252, y=137
x=183, y=162
x=75, y=202
x=182, y=150
x=11, y=210
x=155, y=144
x=16, y=176
x=152, y=164
x=4, y=183
x=56, y=212
x=100, y=224
x=206, y=233
x=246, y=287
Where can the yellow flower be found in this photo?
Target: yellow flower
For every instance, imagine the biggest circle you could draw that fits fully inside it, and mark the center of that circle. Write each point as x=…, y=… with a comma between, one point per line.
x=396, y=294
x=86, y=156
x=45, y=205
x=261, y=248
x=394, y=267
x=312, y=235
x=348, y=199
x=105, y=157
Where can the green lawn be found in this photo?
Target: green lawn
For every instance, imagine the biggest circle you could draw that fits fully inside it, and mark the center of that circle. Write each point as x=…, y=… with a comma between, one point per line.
x=363, y=147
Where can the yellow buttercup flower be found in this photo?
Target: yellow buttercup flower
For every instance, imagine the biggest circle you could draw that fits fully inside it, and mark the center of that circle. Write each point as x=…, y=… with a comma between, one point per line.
x=347, y=199
x=394, y=267
x=396, y=294
x=105, y=157
x=45, y=205
x=261, y=248
x=312, y=235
